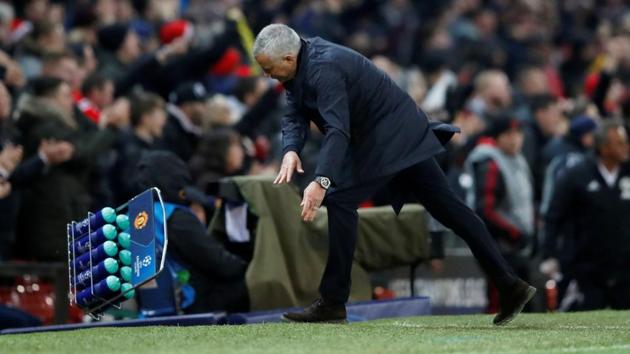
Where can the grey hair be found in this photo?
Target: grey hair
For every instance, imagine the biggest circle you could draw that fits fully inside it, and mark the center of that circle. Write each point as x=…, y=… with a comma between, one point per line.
x=601, y=133
x=276, y=41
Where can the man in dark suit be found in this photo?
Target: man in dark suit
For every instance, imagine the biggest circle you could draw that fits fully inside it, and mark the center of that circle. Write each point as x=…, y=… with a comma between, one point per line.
x=592, y=201
x=374, y=137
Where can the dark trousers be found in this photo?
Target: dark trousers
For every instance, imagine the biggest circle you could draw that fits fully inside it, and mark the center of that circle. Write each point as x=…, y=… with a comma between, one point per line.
x=600, y=292
x=520, y=265
x=427, y=183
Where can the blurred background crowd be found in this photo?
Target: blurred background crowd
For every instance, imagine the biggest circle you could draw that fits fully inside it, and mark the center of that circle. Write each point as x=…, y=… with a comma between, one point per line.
x=540, y=89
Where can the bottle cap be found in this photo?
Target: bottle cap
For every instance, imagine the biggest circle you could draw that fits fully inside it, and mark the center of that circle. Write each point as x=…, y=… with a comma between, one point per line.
x=122, y=221
x=111, y=266
x=127, y=290
x=113, y=282
x=124, y=239
x=125, y=273
x=109, y=214
x=110, y=248
x=125, y=257
x=109, y=231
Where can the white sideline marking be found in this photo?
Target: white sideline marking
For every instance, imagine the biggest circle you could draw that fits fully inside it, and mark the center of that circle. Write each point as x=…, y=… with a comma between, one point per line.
x=413, y=325
x=598, y=348
x=559, y=350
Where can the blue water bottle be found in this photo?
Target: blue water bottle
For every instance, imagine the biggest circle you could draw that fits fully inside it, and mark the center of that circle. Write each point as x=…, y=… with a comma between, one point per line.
x=107, y=249
x=99, y=272
x=103, y=289
x=127, y=291
x=104, y=216
x=105, y=233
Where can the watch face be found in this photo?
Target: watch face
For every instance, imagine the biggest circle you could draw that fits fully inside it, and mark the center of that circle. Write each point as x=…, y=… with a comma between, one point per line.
x=325, y=182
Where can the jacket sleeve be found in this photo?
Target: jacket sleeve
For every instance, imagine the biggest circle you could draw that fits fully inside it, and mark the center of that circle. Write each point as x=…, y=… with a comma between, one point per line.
x=556, y=215
x=27, y=172
x=189, y=238
x=332, y=103
x=188, y=67
x=489, y=191
x=294, y=128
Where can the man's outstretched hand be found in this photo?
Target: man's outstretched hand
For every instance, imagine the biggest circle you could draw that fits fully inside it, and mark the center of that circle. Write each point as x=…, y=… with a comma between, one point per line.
x=290, y=163
x=313, y=196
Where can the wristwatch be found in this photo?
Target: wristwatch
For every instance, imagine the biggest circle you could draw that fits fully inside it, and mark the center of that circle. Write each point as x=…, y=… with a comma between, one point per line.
x=323, y=181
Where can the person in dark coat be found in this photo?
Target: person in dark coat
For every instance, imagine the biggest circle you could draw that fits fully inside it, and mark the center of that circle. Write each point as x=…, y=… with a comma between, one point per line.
x=17, y=173
x=565, y=152
x=579, y=138
x=374, y=137
x=594, y=198
x=185, y=112
x=120, y=49
x=216, y=275
x=61, y=195
x=147, y=117
x=569, y=150
x=547, y=117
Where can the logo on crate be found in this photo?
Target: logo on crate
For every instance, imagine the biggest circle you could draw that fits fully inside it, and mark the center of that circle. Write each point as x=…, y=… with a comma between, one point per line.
x=141, y=220
x=83, y=226
x=139, y=264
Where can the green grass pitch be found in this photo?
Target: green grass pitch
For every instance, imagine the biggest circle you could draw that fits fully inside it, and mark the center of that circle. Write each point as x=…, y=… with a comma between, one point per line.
x=587, y=332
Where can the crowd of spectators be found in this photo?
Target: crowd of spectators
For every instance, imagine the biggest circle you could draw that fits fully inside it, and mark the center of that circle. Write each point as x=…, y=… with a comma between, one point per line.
x=90, y=86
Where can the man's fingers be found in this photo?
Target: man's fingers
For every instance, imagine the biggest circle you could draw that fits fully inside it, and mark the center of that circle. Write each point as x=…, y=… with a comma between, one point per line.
x=309, y=210
x=309, y=214
x=306, y=214
x=305, y=207
x=281, y=175
x=303, y=213
x=290, y=169
x=299, y=166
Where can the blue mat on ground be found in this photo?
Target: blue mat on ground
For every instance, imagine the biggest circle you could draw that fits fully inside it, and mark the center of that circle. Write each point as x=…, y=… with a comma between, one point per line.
x=185, y=320
x=357, y=311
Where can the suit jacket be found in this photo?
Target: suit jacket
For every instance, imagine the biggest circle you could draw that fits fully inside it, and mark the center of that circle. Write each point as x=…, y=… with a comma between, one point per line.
x=598, y=214
x=371, y=127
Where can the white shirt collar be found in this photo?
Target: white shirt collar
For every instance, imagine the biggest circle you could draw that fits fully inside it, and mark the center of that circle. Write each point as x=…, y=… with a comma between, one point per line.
x=609, y=176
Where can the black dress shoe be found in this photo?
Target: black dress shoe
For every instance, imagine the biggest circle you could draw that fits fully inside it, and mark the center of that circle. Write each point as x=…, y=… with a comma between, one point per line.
x=513, y=301
x=320, y=311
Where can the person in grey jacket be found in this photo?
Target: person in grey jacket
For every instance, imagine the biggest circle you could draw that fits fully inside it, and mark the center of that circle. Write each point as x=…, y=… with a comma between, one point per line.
x=502, y=193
